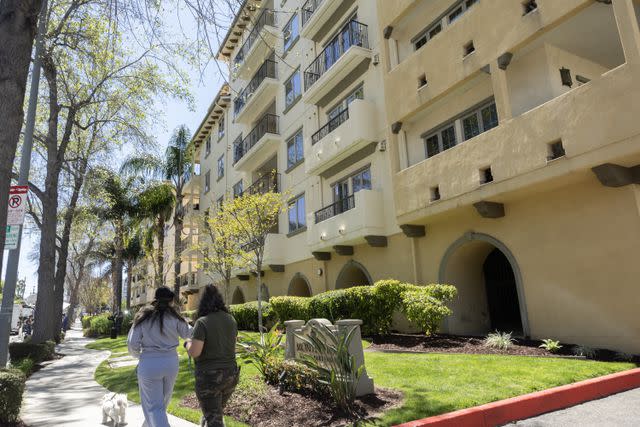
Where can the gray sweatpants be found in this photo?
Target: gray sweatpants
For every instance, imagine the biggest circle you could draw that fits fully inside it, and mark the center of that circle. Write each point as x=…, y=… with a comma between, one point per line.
x=156, y=378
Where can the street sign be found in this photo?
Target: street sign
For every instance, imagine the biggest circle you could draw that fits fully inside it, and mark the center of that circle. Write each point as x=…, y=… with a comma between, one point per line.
x=17, y=205
x=11, y=241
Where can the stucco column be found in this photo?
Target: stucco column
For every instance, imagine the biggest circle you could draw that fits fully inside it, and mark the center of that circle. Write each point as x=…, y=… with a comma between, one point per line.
x=403, y=155
x=628, y=29
x=501, y=92
x=393, y=52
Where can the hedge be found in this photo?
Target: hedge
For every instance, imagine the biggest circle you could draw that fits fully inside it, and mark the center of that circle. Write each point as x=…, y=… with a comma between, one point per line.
x=37, y=352
x=246, y=315
x=11, y=389
x=375, y=305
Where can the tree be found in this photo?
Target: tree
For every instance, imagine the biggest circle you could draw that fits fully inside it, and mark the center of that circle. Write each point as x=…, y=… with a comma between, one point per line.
x=249, y=219
x=21, y=287
x=173, y=167
x=156, y=203
x=95, y=294
x=133, y=252
x=220, y=251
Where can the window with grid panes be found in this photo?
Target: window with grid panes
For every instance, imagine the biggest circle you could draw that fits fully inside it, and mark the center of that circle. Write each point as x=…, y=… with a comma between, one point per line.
x=237, y=189
x=290, y=32
x=221, y=166
x=221, y=127
x=292, y=89
x=427, y=35
x=295, y=149
x=207, y=181
x=297, y=215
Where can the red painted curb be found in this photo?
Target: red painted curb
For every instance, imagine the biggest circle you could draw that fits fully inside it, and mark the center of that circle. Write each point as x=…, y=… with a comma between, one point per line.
x=529, y=405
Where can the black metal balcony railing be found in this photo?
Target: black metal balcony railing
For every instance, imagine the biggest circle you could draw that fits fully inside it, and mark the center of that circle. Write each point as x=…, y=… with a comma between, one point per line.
x=352, y=34
x=264, y=184
x=267, y=124
x=266, y=70
x=332, y=125
x=267, y=17
x=309, y=7
x=336, y=208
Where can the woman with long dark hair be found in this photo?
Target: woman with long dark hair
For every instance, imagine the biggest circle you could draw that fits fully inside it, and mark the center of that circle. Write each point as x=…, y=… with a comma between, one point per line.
x=153, y=338
x=213, y=346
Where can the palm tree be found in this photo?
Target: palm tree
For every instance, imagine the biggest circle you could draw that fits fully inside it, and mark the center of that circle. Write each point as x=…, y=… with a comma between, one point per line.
x=174, y=167
x=156, y=204
x=133, y=252
x=117, y=205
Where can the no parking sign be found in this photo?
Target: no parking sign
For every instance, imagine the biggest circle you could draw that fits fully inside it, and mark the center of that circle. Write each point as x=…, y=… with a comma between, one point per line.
x=17, y=207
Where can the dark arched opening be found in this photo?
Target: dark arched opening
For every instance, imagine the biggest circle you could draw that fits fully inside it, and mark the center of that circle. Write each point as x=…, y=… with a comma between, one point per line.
x=353, y=274
x=299, y=286
x=238, y=297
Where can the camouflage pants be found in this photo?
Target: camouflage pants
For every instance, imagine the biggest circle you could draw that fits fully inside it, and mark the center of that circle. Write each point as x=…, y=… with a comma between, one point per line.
x=213, y=390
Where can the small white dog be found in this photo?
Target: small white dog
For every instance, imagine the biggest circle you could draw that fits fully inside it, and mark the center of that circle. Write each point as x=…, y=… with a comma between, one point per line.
x=114, y=407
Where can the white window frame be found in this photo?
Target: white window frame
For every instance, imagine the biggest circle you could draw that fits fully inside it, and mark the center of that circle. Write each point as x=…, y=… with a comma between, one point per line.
x=220, y=167
x=207, y=182
x=426, y=34
x=288, y=34
x=301, y=223
x=221, y=129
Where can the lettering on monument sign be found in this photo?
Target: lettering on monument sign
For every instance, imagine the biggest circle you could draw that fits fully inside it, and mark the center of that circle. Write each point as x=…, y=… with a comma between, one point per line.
x=297, y=348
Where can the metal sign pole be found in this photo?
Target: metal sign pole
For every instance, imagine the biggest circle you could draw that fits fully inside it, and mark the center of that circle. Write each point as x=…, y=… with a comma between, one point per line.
x=11, y=276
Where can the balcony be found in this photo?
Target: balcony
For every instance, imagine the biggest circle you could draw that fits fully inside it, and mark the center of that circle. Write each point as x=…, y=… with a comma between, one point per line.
x=192, y=180
x=595, y=123
x=257, y=46
x=343, y=60
x=316, y=14
x=264, y=184
x=344, y=135
x=188, y=283
x=259, y=145
x=258, y=94
x=347, y=221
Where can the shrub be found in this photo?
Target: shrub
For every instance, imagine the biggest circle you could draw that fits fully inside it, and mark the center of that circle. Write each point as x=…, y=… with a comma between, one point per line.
x=339, y=371
x=424, y=309
x=584, y=351
x=11, y=390
x=25, y=365
x=37, y=352
x=550, y=345
x=100, y=325
x=290, y=308
x=191, y=314
x=246, y=315
x=294, y=377
x=499, y=340
x=258, y=352
x=86, y=321
x=127, y=322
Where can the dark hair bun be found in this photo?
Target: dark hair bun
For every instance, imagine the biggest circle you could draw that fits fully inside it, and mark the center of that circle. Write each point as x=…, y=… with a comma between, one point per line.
x=164, y=293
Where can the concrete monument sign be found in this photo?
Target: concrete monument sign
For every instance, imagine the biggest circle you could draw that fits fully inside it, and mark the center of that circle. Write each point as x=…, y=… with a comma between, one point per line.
x=297, y=348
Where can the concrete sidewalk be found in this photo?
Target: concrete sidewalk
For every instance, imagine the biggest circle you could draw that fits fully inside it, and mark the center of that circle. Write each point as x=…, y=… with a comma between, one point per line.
x=618, y=410
x=65, y=394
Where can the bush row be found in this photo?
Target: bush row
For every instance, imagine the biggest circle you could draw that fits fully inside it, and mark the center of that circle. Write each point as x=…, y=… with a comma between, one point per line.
x=100, y=325
x=36, y=352
x=11, y=389
x=425, y=306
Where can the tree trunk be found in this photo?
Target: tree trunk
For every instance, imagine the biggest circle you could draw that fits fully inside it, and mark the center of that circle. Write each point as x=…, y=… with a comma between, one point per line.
x=160, y=252
x=18, y=23
x=178, y=223
x=129, y=273
x=117, y=273
x=259, y=279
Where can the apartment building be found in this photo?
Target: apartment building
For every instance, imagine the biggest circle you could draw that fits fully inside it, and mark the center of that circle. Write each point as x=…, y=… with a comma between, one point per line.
x=515, y=150
x=487, y=144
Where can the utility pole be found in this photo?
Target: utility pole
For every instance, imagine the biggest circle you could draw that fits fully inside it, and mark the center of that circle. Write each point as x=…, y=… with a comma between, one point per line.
x=11, y=275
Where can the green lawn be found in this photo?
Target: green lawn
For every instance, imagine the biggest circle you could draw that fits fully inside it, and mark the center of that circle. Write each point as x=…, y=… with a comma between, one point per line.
x=432, y=383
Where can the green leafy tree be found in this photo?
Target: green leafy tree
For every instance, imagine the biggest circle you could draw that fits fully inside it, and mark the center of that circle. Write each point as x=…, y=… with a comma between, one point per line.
x=174, y=167
x=249, y=219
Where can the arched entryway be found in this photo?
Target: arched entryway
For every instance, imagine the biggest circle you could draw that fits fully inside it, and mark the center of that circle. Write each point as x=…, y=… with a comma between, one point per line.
x=299, y=286
x=353, y=274
x=490, y=294
x=238, y=297
x=266, y=296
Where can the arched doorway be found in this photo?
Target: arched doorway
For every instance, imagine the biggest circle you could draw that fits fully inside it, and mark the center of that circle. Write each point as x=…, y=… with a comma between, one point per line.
x=502, y=294
x=238, y=297
x=490, y=293
x=299, y=286
x=353, y=274
x=266, y=296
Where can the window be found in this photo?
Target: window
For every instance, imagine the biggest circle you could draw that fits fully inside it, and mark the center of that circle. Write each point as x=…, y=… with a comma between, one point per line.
x=207, y=145
x=473, y=123
x=220, y=167
x=486, y=176
x=207, y=181
x=427, y=35
x=295, y=151
x=460, y=9
x=292, y=89
x=358, y=93
x=297, y=216
x=361, y=180
x=221, y=127
x=469, y=48
x=291, y=32
x=220, y=202
x=237, y=189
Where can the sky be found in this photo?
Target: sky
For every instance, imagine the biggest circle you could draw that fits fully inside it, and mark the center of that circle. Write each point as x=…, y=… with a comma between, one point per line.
x=175, y=113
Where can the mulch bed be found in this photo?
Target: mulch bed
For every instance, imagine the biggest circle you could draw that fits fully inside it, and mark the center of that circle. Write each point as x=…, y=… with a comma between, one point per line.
x=268, y=408
x=441, y=343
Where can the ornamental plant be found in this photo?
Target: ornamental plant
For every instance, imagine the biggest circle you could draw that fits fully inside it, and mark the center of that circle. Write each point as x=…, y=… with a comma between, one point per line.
x=259, y=352
x=550, y=345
